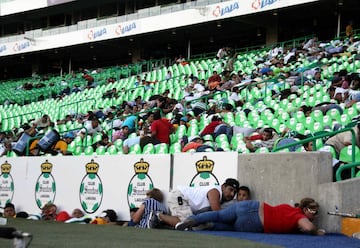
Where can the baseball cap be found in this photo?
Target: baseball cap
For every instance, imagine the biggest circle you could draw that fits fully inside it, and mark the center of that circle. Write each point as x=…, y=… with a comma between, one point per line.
x=233, y=183
x=69, y=135
x=183, y=119
x=111, y=214
x=194, y=138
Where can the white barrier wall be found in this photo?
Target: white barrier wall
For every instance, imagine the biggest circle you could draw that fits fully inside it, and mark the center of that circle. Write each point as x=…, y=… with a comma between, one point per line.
x=203, y=169
x=96, y=183
x=91, y=183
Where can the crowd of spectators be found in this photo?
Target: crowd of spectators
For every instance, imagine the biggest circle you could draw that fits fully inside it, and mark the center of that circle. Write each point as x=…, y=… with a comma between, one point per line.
x=160, y=120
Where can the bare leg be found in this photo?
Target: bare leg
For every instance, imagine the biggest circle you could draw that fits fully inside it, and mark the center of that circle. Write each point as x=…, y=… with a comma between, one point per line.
x=168, y=219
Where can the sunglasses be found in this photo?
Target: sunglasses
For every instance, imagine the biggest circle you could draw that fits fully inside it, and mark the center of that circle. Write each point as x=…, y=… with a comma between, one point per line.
x=311, y=211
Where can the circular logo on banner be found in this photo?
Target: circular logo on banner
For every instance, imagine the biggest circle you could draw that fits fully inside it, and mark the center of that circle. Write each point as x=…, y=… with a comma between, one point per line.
x=45, y=188
x=139, y=184
x=91, y=189
x=6, y=185
x=204, y=176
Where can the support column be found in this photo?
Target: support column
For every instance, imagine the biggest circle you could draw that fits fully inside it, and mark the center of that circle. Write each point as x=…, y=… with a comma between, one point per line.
x=271, y=30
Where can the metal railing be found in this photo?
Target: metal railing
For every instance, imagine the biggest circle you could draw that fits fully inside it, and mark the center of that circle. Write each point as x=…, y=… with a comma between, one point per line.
x=326, y=134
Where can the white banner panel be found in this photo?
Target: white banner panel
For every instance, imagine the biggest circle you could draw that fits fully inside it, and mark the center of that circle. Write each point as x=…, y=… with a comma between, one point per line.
x=145, y=25
x=91, y=183
x=203, y=169
x=18, y=6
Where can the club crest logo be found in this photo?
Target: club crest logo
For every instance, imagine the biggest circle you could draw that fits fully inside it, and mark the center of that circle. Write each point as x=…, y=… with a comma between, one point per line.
x=91, y=188
x=6, y=185
x=139, y=184
x=204, y=176
x=45, y=188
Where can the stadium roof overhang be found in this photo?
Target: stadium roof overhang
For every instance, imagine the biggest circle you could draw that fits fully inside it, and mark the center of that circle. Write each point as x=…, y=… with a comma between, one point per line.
x=319, y=17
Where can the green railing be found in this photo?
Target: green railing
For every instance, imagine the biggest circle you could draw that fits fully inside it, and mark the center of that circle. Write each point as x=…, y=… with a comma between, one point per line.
x=206, y=98
x=76, y=105
x=350, y=166
x=22, y=116
x=322, y=135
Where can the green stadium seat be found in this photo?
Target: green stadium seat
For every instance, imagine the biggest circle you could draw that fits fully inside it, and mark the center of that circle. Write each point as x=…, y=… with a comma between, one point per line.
x=148, y=149
x=112, y=150
x=162, y=148
x=135, y=149
x=89, y=150
x=175, y=148
x=346, y=154
x=100, y=150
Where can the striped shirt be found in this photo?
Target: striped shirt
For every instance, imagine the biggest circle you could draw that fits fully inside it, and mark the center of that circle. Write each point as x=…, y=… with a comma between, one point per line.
x=151, y=205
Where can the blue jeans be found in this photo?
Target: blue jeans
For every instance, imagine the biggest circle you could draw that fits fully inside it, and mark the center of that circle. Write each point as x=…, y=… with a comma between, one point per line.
x=242, y=216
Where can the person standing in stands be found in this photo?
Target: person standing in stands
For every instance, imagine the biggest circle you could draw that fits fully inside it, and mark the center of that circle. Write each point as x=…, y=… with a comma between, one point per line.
x=161, y=128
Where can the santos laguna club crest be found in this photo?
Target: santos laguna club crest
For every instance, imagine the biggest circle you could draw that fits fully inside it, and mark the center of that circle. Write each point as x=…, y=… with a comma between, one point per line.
x=139, y=184
x=204, y=176
x=45, y=188
x=91, y=188
x=6, y=185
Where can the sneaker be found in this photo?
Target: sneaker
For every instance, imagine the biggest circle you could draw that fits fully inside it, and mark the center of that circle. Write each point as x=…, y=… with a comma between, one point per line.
x=356, y=235
x=153, y=220
x=205, y=226
x=185, y=225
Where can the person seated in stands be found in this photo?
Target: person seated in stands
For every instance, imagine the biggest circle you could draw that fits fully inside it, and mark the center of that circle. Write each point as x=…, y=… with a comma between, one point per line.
x=90, y=127
x=130, y=121
x=110, y=93
x=352, y=96
x=344, y=139
x=235, y=97
x=75, y=89
x=315, y=80
x=216, y=127
x=121, y=133
x=68, y=118
x=154, y=203
x=267, y=136
x=89, y=79
x=42, y=122
x=308, y=146
x=194, y=143
x=260, y=217
x=215, y=77
x=105, y=141
x=60, y=146
x=138, y=102
x=231, y=82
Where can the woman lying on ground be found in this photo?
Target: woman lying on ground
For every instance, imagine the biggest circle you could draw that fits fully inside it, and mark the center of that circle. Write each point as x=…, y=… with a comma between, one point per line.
x=253, y=216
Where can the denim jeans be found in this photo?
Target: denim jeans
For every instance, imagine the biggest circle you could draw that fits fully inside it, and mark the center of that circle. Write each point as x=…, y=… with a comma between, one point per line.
x=242, y=216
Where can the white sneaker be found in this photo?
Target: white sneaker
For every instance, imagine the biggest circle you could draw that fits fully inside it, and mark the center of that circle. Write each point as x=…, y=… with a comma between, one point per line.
x=356, y=235
x=153, y=220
